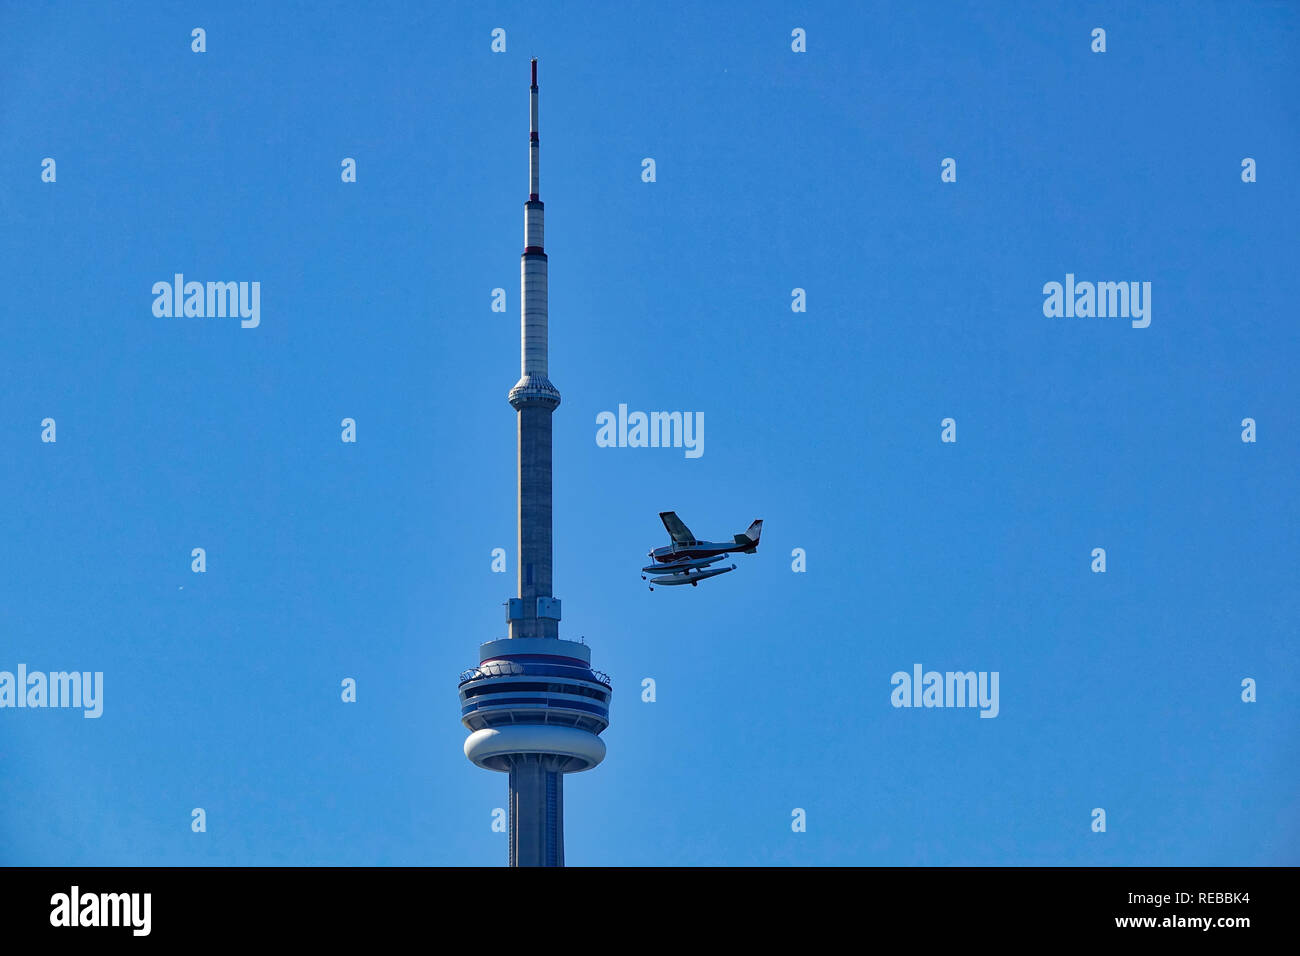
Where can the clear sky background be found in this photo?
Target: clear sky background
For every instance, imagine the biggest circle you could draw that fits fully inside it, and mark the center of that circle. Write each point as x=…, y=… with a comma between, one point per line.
x=775, y=170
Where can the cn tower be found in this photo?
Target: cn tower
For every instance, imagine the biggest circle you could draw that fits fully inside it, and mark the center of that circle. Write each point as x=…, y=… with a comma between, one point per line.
x=534, y=706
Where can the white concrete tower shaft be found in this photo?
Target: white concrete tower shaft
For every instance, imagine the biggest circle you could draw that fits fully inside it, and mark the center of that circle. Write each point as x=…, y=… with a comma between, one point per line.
x=537, y=613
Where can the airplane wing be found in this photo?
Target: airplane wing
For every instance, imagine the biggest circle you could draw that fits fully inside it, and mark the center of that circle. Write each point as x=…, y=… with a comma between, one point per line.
x=676, y=530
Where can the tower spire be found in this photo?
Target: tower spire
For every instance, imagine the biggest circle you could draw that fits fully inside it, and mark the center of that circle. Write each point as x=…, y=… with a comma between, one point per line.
x=534, y=187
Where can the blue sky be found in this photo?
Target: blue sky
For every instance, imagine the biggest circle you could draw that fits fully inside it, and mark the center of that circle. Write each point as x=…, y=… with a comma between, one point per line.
x=775, y=170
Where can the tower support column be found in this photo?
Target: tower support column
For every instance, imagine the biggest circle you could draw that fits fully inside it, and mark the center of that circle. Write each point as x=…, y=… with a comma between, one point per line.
x=536, y=811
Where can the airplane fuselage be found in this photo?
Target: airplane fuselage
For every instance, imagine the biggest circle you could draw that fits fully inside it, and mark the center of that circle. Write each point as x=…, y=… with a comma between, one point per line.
x=683, y=564
x=671, y=553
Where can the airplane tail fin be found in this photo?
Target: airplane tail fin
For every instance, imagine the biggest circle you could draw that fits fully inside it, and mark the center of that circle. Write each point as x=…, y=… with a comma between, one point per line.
x=749, y=540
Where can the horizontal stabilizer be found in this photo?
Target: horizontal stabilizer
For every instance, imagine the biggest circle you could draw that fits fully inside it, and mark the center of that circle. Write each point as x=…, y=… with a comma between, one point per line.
x=749, y=540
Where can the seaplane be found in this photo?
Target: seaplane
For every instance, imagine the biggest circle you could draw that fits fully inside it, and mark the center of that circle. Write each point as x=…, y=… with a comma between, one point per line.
x=688, y=560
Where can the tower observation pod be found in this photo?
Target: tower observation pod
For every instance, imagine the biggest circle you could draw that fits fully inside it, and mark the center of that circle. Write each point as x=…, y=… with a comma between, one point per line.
x=534, y=706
